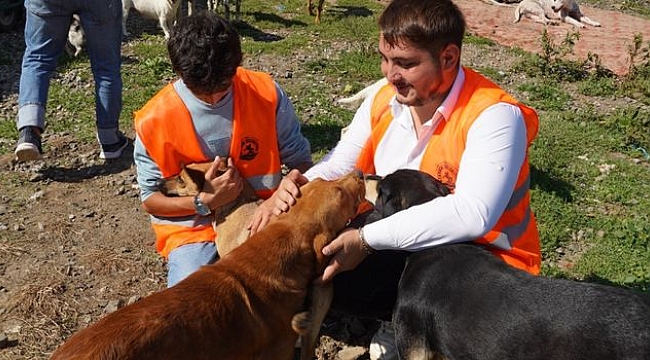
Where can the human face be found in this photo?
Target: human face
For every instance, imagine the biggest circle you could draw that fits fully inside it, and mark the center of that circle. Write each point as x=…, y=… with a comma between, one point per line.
x=419, y=79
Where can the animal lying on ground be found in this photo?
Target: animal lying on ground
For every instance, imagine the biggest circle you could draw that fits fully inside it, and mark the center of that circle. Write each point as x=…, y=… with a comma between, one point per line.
x=319, y=9
x=242, y=306
x=460, y=301
x=76, y=37
x=547, y=11
x=164, y=11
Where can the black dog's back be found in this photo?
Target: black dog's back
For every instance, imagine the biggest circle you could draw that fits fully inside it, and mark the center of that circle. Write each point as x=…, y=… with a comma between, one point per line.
x=461, y=302
x=464, y=303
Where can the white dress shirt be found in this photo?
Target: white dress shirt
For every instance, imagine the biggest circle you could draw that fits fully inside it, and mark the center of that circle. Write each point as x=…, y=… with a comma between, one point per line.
x=488, y=171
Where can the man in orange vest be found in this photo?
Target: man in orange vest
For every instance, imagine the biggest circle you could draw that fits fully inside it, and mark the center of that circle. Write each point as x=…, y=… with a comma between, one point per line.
x=215, y=109
x=449, y=121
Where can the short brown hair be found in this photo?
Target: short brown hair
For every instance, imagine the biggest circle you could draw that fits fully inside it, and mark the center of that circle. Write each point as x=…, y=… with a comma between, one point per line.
x=428, y=25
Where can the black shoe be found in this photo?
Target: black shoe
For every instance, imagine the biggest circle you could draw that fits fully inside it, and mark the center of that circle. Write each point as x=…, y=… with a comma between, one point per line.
x=29, y=144
x=114, y=151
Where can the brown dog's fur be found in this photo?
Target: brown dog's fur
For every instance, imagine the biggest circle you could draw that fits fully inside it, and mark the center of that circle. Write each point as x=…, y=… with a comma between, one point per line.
x=230, y=221
x=242, y=306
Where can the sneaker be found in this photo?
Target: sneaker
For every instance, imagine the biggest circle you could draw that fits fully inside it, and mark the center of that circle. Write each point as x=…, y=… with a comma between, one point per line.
x=114, y=151
x=29, y=144
x=382, y=345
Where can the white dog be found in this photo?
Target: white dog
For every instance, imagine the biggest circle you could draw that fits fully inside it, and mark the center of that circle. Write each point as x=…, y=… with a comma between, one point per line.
x=163, y=10
x=370, y=90
x=546, y=11
x=76, y=37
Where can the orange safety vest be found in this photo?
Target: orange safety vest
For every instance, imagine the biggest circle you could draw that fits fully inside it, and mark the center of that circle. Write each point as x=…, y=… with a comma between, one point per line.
x=514, y=238
x=165, y=127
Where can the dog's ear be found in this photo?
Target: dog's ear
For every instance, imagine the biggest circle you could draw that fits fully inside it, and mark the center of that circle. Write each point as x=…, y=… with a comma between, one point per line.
x=196, y=176
x=320, y=241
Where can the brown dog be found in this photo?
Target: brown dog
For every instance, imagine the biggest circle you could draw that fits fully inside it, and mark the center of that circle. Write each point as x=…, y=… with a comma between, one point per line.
x=229, y=221
x=230, y=226
x=242, y=306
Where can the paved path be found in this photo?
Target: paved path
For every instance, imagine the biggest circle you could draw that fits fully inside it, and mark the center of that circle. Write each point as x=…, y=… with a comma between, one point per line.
x=610, y=42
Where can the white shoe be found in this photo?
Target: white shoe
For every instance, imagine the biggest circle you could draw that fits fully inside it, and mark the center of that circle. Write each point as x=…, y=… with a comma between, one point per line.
x=382, y=345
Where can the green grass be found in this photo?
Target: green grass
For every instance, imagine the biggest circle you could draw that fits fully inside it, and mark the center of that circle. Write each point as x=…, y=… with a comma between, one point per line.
x=590, y=171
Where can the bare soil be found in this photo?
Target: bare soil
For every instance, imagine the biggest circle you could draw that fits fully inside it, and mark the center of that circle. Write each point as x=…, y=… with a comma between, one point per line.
x=75, y=243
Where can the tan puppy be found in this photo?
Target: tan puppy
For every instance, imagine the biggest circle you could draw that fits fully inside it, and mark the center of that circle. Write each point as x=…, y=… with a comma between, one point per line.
x=242, y=306
x=229, y=221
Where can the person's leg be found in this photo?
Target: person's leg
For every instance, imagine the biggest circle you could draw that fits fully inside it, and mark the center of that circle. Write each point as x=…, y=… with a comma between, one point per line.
x=46, y=31
x=186, y=259
x=101, y=20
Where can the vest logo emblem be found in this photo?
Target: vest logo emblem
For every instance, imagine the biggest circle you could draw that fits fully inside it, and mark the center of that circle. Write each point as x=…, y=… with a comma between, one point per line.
x=447, y=174
x=249, y=148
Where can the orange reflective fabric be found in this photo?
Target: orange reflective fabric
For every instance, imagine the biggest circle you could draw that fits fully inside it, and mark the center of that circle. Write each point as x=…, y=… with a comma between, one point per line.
x=254, y=146
x=165, y=127
x=380, y=118
x=442, y=157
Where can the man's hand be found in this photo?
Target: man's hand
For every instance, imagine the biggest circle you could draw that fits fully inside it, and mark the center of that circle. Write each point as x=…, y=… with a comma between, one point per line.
x=219, y=190
x=346, y=253
x=262, y=216
x=288, y=191
x=285, y=196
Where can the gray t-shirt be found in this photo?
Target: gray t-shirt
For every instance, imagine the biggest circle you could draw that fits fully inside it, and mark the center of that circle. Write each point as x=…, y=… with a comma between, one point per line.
x=213, y=125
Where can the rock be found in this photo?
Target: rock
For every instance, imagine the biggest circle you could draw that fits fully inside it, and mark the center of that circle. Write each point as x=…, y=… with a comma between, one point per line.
x=113, y=305
x=4, y=340
x=351, y=353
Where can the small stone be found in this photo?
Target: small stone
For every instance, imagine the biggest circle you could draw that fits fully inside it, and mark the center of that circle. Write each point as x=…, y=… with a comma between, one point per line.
x=113, y=305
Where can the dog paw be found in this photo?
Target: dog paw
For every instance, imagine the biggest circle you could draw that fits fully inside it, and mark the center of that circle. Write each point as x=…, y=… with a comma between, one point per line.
x=301, y=323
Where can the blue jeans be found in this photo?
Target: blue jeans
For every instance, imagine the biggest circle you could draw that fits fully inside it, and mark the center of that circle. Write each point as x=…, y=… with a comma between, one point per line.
x=186, y=259
x=46, y=31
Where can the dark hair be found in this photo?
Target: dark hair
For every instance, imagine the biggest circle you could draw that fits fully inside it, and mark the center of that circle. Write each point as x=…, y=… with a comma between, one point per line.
x=205, y=52
x=428, y=25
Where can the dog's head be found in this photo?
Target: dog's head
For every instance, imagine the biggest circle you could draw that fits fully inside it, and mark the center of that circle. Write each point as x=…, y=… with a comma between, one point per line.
x=402, y=189
x=328, y=206
x=557, y=5
x=189, y=181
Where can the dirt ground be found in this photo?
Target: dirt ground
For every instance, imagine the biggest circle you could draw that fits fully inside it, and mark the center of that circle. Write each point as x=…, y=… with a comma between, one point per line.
x=75, y=243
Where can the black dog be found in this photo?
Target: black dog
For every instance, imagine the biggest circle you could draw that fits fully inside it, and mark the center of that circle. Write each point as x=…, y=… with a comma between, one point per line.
x=402, y=189
x=461, y=302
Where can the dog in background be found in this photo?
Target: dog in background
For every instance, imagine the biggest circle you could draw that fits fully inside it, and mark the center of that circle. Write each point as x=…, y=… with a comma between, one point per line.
x=355, y=100
x=76, y=37
x=547, y=11
x=459, y=301
x=165, y=11
x=242, y=306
